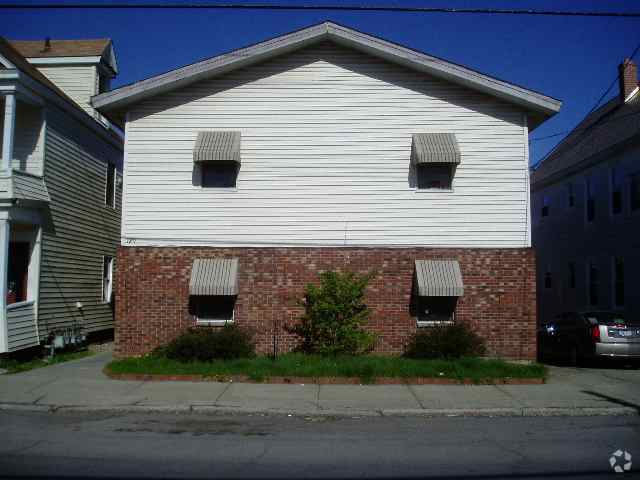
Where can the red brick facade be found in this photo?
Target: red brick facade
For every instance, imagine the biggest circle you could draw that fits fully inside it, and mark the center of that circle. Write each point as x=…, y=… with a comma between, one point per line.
x=152, y=293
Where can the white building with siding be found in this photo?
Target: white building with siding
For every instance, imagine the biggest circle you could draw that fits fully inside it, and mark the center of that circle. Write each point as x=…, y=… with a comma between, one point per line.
x=326, y=138
x=60, y=192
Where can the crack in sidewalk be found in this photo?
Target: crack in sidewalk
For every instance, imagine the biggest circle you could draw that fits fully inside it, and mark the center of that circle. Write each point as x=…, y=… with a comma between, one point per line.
x=415, y=396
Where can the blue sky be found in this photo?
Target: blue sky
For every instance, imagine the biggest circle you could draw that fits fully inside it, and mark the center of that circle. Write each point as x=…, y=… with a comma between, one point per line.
x=570, y=58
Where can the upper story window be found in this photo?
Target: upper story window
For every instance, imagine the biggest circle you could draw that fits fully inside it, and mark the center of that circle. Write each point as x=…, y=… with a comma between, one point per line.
x=217, y=155
x=571, y=199
x=590, y=201
x=110, y=186
x=618, y=281
x=571, y=275
x=104, y=84
x=634, y=193
x=593, y=277
x=435, y=157
x=616, y=191
x=434, y=176
x=546, y=203
x=219, y=174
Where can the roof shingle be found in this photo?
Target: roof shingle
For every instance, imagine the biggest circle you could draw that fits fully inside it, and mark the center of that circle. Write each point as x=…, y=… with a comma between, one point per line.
x=62, y=48
x=610, y=125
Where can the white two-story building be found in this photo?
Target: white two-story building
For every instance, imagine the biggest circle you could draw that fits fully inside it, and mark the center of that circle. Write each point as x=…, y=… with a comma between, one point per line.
x=249, y=173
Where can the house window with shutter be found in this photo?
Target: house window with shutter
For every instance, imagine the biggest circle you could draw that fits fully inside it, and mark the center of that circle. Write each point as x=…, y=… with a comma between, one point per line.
x=435, y=157
x=217, y=156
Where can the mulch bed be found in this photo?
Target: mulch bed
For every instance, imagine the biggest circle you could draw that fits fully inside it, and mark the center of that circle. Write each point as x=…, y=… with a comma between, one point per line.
x=143, y=377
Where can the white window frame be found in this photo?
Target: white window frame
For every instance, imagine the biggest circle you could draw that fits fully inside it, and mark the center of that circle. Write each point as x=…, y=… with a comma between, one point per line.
x=107, y=296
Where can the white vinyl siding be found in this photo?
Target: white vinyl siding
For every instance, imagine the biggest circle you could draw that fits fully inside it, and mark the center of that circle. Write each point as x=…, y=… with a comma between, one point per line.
x=326, y=144
x=78, y=81
x=29, y=138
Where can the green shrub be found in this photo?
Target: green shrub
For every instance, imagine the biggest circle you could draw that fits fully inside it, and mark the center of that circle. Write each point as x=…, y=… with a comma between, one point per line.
x=206, y=344
x=445, y=342
x=335, y=315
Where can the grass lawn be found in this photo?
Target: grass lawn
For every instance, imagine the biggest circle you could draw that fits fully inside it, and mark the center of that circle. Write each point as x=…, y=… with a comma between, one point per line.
x=366, y=368
x=17, y=366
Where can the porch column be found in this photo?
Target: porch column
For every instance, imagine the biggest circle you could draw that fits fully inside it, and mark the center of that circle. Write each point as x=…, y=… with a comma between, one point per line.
x=9, y=129
x=5, y=232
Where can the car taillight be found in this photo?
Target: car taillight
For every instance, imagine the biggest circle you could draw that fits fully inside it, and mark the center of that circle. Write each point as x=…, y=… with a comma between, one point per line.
x=595, y=333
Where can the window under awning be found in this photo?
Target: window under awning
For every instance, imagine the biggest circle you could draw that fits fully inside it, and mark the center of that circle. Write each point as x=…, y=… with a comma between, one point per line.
x=217, y=146
x=439, y=278
x=427, y=148
x=214, y=276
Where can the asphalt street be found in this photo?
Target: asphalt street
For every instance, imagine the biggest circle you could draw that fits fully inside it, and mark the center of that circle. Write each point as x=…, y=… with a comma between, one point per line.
x=163, y=445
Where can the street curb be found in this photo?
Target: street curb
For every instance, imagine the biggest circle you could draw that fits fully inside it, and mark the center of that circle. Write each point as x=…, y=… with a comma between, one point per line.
x=221, y=410
x=292, y=380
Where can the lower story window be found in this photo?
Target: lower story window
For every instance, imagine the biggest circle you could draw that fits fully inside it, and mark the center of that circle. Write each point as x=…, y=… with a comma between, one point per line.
x=435, y=310
x=107, y=279
x=594, y=283
x=213, y=308
x=18, y=275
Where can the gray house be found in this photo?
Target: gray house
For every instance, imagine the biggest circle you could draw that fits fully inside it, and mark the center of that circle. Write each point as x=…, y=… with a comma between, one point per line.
x=586, y=211
x=60, y=192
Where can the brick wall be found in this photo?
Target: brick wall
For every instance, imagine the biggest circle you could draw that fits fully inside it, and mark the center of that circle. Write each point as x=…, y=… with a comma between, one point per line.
x=152, y=292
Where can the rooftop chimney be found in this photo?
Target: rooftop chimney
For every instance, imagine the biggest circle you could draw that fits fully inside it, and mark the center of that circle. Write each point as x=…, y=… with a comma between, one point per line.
x=47, y=45
x=628, y=78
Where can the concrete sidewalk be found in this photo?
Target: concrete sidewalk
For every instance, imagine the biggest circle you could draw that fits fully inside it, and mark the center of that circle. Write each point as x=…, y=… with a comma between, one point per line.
x=81, y=385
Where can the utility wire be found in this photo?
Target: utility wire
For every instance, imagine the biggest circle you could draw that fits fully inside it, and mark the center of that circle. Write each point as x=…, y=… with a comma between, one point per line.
x=335, y=7
x=621, y=117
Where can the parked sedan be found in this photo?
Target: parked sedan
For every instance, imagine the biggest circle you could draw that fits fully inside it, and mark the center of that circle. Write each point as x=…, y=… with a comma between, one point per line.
x=579, y=336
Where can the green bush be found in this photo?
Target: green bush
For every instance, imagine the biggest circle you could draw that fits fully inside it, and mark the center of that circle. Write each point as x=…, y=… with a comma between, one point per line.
x=445, y=342
x=206, y=344
x=335, y=315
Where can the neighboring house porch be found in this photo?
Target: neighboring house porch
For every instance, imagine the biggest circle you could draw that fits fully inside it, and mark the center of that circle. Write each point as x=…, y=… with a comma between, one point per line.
x=24, y=204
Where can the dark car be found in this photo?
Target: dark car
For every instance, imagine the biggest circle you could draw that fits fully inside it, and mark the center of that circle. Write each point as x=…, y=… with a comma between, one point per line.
x=581, y=336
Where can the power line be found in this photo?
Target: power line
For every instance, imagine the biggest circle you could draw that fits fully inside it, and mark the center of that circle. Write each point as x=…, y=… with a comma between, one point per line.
x=337, y=7
x=621, y=117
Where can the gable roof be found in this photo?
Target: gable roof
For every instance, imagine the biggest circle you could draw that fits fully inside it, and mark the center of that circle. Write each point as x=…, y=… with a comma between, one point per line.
x=539, y=106
x=101, y=48
x=17, y=61
x=610, y=126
